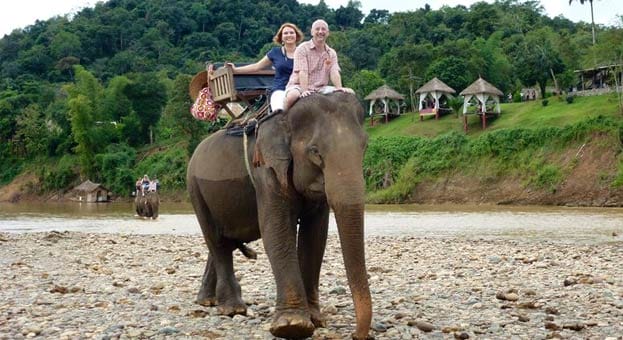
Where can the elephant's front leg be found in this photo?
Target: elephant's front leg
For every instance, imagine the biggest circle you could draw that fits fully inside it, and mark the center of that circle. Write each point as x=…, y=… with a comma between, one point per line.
x=312, y=240
x=278, y=228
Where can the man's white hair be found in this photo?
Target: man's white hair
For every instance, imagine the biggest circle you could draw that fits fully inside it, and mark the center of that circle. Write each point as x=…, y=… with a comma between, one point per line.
x=318, y=22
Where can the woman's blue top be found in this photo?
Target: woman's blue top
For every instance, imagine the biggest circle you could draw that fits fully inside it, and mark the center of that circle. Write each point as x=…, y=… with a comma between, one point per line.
x=283, y=67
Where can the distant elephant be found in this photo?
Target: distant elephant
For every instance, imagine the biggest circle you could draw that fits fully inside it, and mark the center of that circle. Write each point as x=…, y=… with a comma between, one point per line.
x=147, y=205
x=312, y=161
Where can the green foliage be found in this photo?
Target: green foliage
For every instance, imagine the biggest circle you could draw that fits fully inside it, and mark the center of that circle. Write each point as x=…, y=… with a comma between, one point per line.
x=364, y=82
x=32, y=131
x=383, y=155
x=168, y=166
x=544, y=102
x=59, y=176
x=569, y=99
x=547, y=177
x=509, y=151
x=115, y=168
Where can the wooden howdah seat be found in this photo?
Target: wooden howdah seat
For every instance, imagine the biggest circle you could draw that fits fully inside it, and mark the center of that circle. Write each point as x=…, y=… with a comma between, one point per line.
x=250, y=90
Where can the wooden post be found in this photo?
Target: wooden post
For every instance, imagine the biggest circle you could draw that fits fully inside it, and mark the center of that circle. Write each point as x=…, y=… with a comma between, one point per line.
x=465, y=123
x=484, y=120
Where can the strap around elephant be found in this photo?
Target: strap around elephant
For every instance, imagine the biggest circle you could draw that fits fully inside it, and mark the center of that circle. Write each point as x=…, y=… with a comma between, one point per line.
x=245, y=142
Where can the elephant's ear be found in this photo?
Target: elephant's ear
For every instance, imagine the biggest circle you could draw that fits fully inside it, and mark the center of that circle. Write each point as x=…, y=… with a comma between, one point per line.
x=273, y=148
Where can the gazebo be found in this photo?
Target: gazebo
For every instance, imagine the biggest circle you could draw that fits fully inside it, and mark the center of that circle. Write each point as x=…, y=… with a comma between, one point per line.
x=432, y=91
x=384, y=94
x=483, y=92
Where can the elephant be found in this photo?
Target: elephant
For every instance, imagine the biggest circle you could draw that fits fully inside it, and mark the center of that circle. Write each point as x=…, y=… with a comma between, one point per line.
x=147, y=204
x=310, y=161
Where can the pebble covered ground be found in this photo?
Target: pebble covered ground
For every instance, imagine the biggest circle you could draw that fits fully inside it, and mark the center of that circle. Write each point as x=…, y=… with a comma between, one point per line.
x=71, y=285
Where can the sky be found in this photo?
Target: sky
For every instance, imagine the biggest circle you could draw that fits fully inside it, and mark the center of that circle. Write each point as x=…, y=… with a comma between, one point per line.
x=22, y=13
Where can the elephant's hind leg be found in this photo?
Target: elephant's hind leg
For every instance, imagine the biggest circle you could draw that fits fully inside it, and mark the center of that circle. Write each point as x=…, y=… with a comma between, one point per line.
x=207, y=292
x=219, y=285
x=228, y=292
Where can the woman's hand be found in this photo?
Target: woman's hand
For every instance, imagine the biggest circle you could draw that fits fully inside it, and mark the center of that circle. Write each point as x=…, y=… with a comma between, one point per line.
x=233, y=67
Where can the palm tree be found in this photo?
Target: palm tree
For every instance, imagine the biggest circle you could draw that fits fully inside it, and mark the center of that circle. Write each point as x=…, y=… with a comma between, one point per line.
x=592, y=17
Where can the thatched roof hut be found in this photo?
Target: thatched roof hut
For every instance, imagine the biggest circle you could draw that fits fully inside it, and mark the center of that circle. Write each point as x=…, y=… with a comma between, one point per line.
x=435, y=89
x=481, y=86
x=384, y=94
x=90, y=192
x=482, y=91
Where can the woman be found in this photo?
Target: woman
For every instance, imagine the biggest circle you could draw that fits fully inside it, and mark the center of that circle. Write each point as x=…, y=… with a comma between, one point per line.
x=281, y=58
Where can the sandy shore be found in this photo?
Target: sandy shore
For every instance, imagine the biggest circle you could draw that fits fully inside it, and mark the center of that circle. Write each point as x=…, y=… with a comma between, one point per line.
x=108, y=286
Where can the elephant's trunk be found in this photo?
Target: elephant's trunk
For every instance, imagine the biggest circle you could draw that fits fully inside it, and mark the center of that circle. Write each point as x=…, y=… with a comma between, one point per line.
x=346, y=198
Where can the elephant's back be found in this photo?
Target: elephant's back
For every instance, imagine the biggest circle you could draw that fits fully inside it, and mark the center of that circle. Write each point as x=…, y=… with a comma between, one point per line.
x=219, y=157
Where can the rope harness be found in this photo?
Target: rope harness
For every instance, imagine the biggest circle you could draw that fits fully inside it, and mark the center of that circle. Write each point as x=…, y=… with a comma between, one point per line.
x=252, y=126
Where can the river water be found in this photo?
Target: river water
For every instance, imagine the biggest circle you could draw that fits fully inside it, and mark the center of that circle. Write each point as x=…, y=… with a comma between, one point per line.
x=557, y=224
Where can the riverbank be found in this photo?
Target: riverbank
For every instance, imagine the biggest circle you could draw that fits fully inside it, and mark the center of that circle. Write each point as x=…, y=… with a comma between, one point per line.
x=79, y=285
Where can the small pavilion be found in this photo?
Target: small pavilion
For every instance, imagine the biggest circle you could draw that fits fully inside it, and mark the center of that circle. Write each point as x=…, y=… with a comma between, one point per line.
x=484, y=93
x=430, y=94
x=386, y=95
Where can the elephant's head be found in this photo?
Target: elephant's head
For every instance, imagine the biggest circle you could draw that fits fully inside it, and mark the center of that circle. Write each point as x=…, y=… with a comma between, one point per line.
x=318, y=148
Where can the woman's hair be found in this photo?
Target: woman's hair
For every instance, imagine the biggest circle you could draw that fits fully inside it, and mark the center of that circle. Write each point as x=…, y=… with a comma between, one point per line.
x=299, y=33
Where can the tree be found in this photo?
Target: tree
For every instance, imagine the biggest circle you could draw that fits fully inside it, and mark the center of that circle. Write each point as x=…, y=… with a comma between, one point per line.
x=537, y=59
x=32, y=132
x=364, y=82
x=148, y=96
x=349, y=16
x=452, y=71
x=377, y=16
x=81, y=113
x=592, y=16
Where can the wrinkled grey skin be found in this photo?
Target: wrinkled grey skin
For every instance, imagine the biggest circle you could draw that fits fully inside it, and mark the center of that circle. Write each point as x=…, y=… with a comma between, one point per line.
x=147, y=205
x=312, y=162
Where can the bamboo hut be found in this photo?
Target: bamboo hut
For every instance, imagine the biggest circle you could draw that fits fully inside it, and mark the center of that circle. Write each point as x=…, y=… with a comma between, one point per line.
x=431, y=94
x=90, y=192
x=386, y=95
x=484, y=93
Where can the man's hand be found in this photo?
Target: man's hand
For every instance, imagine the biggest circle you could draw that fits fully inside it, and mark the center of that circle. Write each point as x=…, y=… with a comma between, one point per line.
x=345, y=90
x=306, y=93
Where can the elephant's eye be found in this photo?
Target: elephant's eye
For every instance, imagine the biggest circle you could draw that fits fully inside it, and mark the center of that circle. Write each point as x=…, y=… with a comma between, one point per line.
x=314, y=155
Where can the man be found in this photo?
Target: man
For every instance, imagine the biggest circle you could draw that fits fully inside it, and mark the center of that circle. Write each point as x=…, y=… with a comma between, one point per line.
x=315, y=64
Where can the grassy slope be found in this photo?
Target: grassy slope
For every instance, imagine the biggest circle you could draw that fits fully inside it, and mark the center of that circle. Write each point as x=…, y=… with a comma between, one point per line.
x=525, y=115
x=533, y=164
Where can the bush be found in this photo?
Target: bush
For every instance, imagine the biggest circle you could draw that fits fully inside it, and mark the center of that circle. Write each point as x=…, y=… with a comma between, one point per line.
x=569, y=99
x=545, y=102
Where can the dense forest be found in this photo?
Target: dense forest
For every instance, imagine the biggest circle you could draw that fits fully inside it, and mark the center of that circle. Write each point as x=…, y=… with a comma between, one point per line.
x=102, y=94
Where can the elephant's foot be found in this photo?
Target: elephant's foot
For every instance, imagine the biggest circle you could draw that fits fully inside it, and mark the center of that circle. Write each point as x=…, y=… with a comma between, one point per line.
x=206, y=301
x=316, y=317
x=292, y=325
x=233, y=309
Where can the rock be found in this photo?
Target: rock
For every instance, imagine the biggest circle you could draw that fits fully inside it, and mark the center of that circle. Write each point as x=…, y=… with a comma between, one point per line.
x=379, y=327
x=461, y=335
x=551, y=326
x=168, y=330
x=422, y=325
x=576, y=326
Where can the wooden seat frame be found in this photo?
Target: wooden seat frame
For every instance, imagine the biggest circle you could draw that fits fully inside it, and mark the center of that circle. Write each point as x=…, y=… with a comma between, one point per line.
x=222, y=85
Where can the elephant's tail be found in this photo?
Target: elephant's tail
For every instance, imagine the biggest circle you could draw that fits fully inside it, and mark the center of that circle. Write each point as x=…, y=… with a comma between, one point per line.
x=246, y=251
